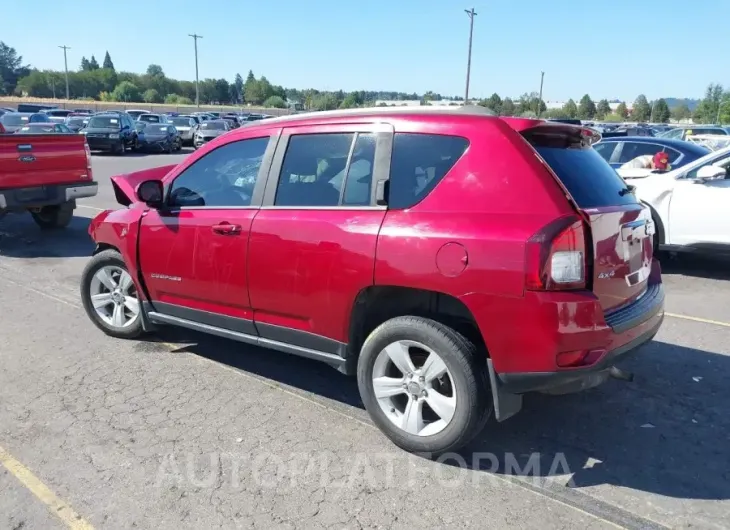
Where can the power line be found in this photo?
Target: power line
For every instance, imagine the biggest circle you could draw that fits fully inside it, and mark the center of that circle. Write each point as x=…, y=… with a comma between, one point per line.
x=65, y=65
x=471, y=13
x=195, y=37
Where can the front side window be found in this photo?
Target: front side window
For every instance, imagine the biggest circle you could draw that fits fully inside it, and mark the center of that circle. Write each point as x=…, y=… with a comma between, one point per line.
x=605, y=149
x=223, y=178
x=723, y=162
x=419, y=163
x=315, y=171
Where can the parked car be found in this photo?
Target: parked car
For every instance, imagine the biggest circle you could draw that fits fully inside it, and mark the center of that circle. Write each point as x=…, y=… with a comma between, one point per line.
x=153, y=118
x=233, y=122
x=76, y=123
x=45, y=176
x=690, y=204
x=160, y=137
x=114, y=132
x=397, y=245
x=44, y=128
x=83, y=111
x=135, y=114
x=681, y=133
x=34, y=108
x=620, y=150
x=12, y=121
x=57, y=115
x=209, y=130
x=186, y=126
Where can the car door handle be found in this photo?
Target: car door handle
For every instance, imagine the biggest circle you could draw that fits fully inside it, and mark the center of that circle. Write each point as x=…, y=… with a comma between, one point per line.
x=227, y=229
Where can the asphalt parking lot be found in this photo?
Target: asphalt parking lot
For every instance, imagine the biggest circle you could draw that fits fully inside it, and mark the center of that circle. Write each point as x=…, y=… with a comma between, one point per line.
x=187, y=431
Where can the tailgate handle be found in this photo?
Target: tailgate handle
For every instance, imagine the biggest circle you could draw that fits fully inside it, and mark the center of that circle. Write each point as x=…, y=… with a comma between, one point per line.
x=25, y=147
x=633, y=230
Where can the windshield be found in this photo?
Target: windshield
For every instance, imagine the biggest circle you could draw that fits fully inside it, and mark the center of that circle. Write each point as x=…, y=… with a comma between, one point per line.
x=104, y=122
x=213, y=125
x=75, y=121
x=181, y=122
x=13, y=120
x=36, y=129
x=150, y=118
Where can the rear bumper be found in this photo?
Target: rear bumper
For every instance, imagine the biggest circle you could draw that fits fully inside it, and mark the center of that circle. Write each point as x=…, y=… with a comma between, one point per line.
x=37, y=196
x=104, y=144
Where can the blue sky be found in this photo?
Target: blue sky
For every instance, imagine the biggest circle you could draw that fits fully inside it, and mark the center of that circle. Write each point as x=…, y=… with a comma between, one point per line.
x=613, y=49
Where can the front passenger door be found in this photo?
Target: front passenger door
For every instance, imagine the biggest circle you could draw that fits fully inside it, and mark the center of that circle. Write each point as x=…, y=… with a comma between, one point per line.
x=193, y=252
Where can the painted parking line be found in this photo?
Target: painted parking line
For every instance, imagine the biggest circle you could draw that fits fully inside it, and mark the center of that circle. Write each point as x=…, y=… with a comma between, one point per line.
x=698, y=319
x=91, y=208
x=56, y=506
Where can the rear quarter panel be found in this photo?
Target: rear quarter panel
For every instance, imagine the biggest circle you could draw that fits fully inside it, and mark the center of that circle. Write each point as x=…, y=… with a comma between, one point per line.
x=489, y=203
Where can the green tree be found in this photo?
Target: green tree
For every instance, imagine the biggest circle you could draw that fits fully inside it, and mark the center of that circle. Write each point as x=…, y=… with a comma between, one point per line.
x=85, y=65
x=614, y=117
x=238, y=86
x=681, y=112
x=660, y=112
x=93, y=65
x=622, y=110
x=603, y=109
x=706, y=111
x=508, y=107
x=11, y=68
x=126, y=91
x=155, y=70
x=642, y=109
x=570, y=109
x=493, y=103
x=275, y=102
x=222, y=91
x=108, y=62
x=586, y=108
x=151, y=96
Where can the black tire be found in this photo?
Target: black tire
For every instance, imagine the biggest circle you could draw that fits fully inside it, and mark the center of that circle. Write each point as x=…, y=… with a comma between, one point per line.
x=106, y=258
x=53, y=217
x=468, y=370
x=135, y=144
x=122, y=150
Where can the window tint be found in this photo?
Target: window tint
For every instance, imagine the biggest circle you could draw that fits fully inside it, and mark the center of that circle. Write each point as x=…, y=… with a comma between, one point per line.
x=605, y=149
x=633, y=149
x=359, y=173
x=673, y=133
x=588, y=178
x=314, y=168
x=418, y=164
x=223, y=178
x=673, y=154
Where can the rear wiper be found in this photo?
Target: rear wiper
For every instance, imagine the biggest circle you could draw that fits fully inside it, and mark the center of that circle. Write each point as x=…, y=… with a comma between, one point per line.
x=628, y=189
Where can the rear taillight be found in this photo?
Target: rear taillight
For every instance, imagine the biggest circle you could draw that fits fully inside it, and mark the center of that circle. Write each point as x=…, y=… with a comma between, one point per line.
x=2, y=129
x=87, y=150
x=556, y=257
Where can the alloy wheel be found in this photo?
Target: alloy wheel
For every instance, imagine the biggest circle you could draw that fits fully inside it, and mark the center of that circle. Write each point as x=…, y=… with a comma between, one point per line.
x=414, y=388
x=114, y=296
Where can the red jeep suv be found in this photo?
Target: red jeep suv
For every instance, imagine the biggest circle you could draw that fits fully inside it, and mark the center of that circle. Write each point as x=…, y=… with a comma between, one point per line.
x=451, y=259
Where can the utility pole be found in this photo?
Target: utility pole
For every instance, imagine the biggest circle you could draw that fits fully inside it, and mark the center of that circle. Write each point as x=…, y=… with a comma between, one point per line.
x=197, y=89
x=539, y=100
x=471, y=13
x=65, y=65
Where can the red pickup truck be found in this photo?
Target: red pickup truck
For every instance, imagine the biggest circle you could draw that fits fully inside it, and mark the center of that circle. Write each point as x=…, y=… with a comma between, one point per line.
x=44, y=174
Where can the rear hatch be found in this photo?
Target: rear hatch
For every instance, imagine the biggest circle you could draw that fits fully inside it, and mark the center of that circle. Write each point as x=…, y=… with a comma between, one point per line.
x=31, y=160
x=621, y=228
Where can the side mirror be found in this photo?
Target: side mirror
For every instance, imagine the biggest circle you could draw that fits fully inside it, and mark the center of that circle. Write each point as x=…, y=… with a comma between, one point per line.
x=150, y=192
x=707, y=173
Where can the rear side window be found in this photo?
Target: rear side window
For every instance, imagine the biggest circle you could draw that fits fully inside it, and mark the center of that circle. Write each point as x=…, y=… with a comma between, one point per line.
x=590, y=180
x=418, y=164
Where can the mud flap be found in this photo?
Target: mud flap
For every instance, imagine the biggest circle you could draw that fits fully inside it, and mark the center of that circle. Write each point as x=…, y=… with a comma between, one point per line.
x=506, y=405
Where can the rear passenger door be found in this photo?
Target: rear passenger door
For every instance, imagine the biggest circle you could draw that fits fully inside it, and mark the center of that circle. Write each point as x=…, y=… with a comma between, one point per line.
x=312, y=244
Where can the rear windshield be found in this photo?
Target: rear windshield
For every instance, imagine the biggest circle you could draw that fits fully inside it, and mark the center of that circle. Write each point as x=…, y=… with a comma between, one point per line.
x=104, y=122
x=13, y=120
x=181, y=122
x=588, y=178
x=216, y=125
x=150, y=118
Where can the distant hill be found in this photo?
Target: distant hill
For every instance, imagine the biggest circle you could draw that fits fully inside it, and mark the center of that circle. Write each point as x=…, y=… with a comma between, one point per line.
x=675, y=102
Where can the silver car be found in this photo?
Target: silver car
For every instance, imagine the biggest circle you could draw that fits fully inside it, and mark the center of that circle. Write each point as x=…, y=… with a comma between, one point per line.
x=12, y=121
x=186, y=125
x=209, y=130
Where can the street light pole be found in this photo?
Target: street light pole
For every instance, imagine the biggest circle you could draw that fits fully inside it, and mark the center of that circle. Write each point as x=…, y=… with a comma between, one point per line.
x=539, y=100
x=197, y=88
x=471, y=13
x=65, y=65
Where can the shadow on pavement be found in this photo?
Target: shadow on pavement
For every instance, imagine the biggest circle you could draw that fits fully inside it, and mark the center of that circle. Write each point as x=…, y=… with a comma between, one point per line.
x=696, y=265
x=666, y=433
x=21, y=238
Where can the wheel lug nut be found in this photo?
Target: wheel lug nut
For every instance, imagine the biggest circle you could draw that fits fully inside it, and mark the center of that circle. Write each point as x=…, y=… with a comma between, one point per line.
x=424, y=393
x=422, y=379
